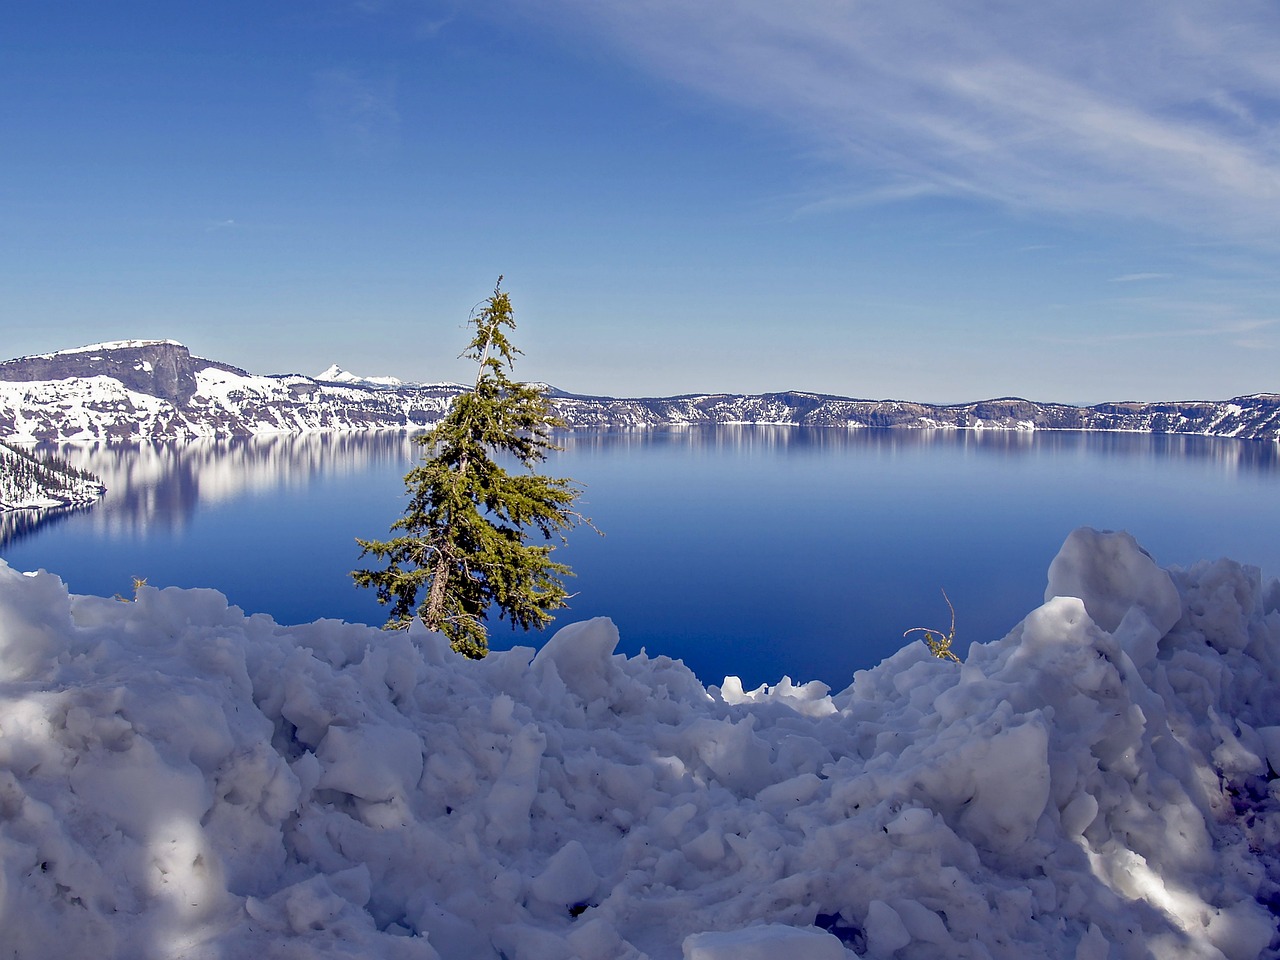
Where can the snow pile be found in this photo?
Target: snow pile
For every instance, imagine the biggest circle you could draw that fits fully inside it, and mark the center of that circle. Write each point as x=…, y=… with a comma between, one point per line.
x=179, y=780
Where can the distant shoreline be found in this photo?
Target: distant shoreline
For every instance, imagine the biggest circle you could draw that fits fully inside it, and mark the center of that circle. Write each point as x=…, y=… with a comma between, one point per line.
x=156, y=390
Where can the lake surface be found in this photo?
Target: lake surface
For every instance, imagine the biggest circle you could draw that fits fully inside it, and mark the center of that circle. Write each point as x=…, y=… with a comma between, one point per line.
x=752, y=551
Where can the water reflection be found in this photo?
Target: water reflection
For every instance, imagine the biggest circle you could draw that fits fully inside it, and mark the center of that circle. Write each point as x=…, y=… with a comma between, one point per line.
x=756, y=550
x=154, y=486
x=17, y=525
x=1231, y=455
x=161, y=485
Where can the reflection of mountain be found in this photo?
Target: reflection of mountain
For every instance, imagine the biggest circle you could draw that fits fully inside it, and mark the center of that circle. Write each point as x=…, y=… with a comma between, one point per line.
x=148, y=390
x=38, y=489
x=16, y=525
x=157, y=487
x=1231, y=456
x=161, y=483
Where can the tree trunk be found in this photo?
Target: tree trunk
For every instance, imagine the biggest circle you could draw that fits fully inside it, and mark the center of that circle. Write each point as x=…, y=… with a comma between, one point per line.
x=435, y=599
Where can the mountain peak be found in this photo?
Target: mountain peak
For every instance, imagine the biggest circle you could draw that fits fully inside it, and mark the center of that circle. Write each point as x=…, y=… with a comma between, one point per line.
x=335, y=374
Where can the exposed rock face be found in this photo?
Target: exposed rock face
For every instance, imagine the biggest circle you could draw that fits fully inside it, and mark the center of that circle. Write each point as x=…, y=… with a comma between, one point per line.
x=159, y=368
x=156, y=390
x=135, y=390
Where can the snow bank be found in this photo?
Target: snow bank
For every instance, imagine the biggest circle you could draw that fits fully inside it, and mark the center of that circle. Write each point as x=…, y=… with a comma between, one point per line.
x=180, y=780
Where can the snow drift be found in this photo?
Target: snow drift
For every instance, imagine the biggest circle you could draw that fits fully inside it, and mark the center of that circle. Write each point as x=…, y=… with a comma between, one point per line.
x=178, y=779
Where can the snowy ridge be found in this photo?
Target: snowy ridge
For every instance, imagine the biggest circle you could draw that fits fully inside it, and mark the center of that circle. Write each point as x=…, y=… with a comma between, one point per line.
x=1256, y=417
x=222, y=403
x=108, y=345
x=157, y=390
x=180, y=780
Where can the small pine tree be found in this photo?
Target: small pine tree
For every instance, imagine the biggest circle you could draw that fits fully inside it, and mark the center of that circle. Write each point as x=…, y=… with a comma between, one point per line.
x=468, y=519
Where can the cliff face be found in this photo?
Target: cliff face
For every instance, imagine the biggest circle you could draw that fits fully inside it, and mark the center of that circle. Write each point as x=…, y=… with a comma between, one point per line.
x=150, y=390
x=158, y=368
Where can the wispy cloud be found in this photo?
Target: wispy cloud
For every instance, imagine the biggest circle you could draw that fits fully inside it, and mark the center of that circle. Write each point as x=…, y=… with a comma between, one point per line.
x=1139, y=277
x=1156, y=109
x=357, y=113
x=1234, y=332
x=422, y=16
x=876, y=196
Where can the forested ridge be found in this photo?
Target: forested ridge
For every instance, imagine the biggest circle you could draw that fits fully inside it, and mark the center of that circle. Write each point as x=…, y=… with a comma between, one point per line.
x=29, y=479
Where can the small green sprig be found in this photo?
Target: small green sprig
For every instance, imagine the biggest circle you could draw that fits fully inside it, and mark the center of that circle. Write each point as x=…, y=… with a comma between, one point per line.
x=138, y=584
x=938, y=643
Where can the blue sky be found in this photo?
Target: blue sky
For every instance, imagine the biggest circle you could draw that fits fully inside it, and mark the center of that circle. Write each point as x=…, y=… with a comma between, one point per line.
x=1073, y=201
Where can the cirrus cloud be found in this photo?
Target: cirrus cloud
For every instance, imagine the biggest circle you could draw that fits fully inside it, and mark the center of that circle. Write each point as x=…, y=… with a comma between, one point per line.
x=357, y=113
x=1162, y=110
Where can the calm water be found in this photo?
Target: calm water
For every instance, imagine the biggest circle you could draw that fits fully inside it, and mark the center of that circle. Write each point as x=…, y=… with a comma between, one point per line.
x=754, y=551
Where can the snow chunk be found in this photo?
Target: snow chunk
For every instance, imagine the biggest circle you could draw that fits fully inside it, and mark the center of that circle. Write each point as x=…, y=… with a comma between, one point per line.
x=1241, y=931
x=36, y=609
x=767, y=942
x=568, y=878
x=885, y=930
x=1112, y=574
x=1010, y=775
x=580, y=655
x=733, y=754
x=373, y=762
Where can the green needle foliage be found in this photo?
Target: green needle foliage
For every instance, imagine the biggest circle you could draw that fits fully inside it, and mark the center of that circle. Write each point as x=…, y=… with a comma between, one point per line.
x=468, y=519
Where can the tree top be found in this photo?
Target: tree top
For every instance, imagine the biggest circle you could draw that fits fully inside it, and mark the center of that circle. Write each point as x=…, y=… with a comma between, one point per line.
x=490, y=346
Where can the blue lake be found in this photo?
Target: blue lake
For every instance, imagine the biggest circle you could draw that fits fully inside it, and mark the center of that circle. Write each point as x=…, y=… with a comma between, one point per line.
x=753, y=551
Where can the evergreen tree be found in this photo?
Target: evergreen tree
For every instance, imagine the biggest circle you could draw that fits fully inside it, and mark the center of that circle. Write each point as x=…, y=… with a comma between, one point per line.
x=468, y=519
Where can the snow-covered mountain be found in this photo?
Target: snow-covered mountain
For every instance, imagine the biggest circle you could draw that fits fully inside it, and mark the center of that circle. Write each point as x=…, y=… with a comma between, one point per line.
x=335, y=374
x=1254, y=417
x=155, y=389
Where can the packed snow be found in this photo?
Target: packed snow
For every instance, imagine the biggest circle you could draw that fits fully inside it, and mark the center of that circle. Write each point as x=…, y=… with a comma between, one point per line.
x=178, y=779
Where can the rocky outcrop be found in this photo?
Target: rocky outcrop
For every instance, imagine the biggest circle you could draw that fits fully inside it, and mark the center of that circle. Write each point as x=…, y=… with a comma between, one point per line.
x=163, y=369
